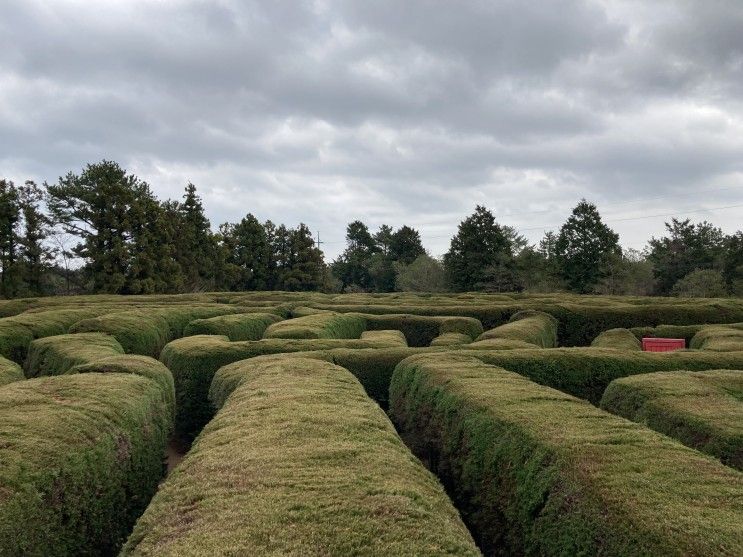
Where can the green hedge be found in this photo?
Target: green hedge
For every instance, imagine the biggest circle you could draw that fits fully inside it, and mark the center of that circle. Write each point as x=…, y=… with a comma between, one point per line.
x=145, y=331
x=621, y=339
x=240, y=326
x=718, y=338
x=534, y=327
x=586, y=372
x=80, y=458
x=58, y=354
x=10, y=371
x=538, y=472
x=194, y=360
x=421, y=330
x=702, y=409
x=500, y=344
x=299, y=461
x=318, y=326
x=451, y=339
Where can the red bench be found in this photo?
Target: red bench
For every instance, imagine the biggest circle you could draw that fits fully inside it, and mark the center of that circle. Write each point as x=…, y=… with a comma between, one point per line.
x=663, y=344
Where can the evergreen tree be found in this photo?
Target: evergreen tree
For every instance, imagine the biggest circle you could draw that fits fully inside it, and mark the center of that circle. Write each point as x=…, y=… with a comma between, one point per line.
x=733, y=263
x=9, y=241
x=153, y=268
x=251, y=254
x=479, y=244
x=306, y=269
x=281, y=256
x=584, y=248
x=35, y=256
x=383, y=239
x=687, y=247
x=94, y=206
x=196, y=247
x=353, y=266
x=405, y=245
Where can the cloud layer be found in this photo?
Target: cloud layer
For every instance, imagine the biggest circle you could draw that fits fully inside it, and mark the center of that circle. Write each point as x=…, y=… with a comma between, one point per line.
x=391, y=112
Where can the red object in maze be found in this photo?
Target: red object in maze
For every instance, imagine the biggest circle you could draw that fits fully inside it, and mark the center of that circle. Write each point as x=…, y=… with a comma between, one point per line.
x=663, y=344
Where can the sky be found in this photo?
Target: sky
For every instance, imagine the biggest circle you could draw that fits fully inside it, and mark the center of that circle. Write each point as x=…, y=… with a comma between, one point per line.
x=391, y=112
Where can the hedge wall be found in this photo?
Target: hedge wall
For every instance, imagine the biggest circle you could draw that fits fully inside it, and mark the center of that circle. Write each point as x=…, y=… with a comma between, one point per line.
x=56, y=355
x=80, y=459
x=240, y=326
x=535, y=471
x=621, y=339
x=194, y=360
x=299, y=461
x=533, y=327
x=702, y=409
x=10, y=371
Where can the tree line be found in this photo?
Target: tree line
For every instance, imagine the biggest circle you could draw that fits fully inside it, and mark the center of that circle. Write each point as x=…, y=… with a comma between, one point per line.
x=102, y=230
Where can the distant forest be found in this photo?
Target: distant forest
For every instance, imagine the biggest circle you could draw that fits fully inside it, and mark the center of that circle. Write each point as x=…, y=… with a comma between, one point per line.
x=104, y=231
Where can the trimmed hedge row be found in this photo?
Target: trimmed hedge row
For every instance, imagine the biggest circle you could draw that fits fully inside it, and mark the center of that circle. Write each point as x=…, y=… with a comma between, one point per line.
x=719, y=339
x=534, y=327
x=239, y=326
x=621, y=339
x=421, y=330
x=10, y=371
x=535, y=471
x=194, y=360
x=297, y=462
x=145, y=331
x=318, y=326
x=702, y=409
x=80, y=458
x=58, y=354
x=451, y=339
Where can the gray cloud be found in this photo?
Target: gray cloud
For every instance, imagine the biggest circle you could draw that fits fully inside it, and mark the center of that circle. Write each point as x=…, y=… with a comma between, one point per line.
x=325, y=111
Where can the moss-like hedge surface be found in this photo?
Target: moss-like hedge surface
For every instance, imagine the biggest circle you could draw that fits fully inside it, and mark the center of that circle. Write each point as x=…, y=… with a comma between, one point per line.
x=718, y=339
x=533, y=327
x=240, y=326
x=621, y=339
x=535, y=471
x=451, y=339
x=10, y=371
x=318, y=326
x=58, y=354
x=194, y=360
x=702, y=409
x=80, y=458
x=299, y=461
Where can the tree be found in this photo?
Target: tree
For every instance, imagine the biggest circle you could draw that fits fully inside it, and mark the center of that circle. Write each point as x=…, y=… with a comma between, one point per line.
x=352, y=267
x=35, y=256
x=479, y=244
x=251, y=252
x=9, y=217
x=94, y=206
x=686, y=247
x=306, y=268
x=732, y=266
x=405, y=245
x=628, y=274
x=424, y=274
x=196, y=245
x=584, y=248
x=701, y=283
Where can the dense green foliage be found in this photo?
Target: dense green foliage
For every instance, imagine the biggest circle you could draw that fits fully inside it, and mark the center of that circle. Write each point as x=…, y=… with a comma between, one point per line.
x=538, y=472
x=530, y=326
x=80, y=458
x=10, y=371
x=58, y=354
x=719, y=338
x=702, y=409
x=621, y=339
x=585, y=247
x=319, y=325
x=240, y=326
x=318, y=480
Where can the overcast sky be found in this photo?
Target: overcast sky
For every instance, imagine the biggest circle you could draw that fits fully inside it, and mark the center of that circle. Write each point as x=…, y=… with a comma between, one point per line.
x=398, y=112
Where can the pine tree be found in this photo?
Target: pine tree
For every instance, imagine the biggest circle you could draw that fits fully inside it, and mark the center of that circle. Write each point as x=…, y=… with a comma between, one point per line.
x=196, y=245
x=352, y=268
x=585, y=247
x=9, y=241
x=94, y=206
x=479, y=244
x=251, y=254
x=405, y=245
x=306, y=267
x=35, y=256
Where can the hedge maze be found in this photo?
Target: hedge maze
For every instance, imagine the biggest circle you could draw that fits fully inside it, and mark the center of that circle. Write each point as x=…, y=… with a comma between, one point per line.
x=367, y=424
